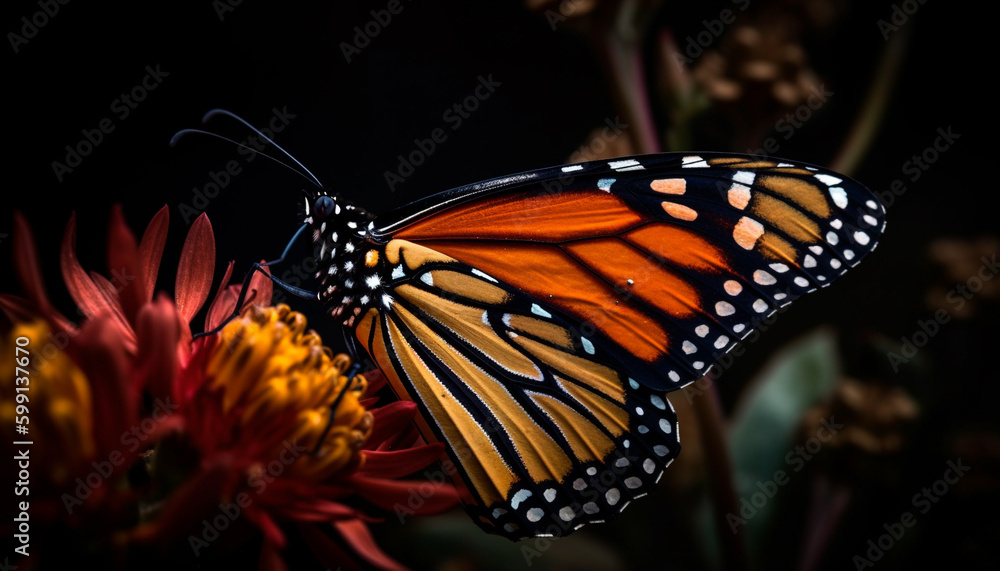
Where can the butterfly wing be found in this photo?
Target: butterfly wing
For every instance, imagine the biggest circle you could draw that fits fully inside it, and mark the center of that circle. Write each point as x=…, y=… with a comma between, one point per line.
x=538, y=422
x=537, y=319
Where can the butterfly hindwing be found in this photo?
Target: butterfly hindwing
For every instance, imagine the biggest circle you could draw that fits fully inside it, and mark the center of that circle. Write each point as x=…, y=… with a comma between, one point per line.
x=547, y=429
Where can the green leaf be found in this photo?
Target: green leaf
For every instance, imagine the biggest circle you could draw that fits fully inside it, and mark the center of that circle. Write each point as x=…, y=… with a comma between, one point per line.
x=764, y=425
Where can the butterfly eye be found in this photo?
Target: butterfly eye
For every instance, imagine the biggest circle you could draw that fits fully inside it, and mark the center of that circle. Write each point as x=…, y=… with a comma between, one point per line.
x=324, y=207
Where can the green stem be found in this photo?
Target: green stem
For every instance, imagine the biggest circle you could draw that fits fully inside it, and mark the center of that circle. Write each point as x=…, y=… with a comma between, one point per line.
x=866, y=126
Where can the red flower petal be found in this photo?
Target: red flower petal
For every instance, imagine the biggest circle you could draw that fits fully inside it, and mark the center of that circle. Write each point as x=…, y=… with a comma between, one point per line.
x=84, y=292
x=151, y=249
x=272, y=532
x=26, y=264
x=196, y=499
x=222, y=304
x=158, y=333
x=123, y=263
x=357, y=535
x=390, y=494
x=270, y=558
x=388, y=420
x=99, y=352
x=404, y=439
x=318, y=510
x=261, y=287
x=17, y=309
x=398, y=463
x=329, y=553
x=107, y=292
x=376, y=380
x=196, y=268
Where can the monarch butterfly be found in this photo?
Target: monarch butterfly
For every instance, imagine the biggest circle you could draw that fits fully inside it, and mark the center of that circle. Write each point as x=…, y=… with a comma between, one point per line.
x=538, y=319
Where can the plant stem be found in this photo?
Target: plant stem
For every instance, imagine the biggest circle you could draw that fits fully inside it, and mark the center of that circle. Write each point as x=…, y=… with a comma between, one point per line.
x=866, y=126
x=708, y=412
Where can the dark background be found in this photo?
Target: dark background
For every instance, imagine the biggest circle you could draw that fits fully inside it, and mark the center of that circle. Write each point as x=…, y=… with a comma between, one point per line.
x=353, y=119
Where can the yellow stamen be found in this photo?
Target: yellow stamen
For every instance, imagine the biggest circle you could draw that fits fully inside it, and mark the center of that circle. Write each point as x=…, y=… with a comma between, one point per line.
x=276, y=376
x=59, y=396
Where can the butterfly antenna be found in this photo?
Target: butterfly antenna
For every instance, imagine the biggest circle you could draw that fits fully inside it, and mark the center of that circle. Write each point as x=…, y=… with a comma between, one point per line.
x=215, y=112
x=177, y=136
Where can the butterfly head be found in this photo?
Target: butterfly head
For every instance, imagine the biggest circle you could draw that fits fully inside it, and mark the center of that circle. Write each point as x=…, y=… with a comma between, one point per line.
x=340, y=235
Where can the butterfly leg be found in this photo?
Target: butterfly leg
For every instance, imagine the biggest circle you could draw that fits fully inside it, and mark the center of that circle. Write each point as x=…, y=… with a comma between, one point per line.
x=259, y=267
x=351, y=375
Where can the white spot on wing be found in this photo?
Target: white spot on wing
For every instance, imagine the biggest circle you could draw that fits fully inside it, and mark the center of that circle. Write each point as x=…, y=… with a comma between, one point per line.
x=839, y=196
x=724, y=308
x=619, y=165
x=827, y=179
x=537, y=310
x=764, y=278
x=572, y=168
x=484, y=275
x=587, y=345
x=732, y=287
x=693, y=162
x=744, y=177
x=519, y=497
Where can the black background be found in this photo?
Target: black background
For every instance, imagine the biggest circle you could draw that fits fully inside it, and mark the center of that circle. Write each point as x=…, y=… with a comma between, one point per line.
x=353, y=118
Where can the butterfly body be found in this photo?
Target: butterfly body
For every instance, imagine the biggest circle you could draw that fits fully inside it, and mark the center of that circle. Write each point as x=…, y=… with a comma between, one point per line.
x=539, y=319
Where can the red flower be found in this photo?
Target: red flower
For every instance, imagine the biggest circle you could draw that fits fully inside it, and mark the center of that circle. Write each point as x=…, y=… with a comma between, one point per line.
x=257, y=402
x=260, y=416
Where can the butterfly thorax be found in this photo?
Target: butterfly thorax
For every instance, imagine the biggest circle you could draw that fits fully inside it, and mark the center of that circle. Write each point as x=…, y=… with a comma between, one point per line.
x=341, y=246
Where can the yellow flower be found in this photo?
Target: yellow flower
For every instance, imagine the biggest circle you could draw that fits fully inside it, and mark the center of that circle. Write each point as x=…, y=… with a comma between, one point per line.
x=278, y=384
x=57, y=412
